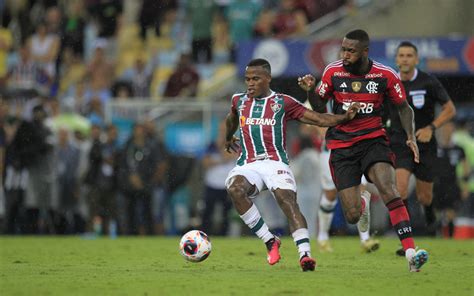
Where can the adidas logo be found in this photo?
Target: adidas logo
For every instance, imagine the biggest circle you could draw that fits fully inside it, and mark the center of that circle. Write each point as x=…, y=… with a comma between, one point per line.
x=343, y=85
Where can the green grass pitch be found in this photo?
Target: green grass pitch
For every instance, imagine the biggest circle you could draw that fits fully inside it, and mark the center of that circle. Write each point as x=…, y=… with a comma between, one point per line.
x=152, y=266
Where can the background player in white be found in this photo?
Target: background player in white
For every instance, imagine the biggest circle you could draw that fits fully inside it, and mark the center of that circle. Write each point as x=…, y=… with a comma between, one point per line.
x=261, y=115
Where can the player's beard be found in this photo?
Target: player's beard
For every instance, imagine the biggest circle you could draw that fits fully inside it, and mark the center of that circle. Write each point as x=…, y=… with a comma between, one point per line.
x=354, y=68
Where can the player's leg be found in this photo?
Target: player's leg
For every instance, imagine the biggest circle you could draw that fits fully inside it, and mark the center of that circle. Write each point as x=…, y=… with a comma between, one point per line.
x=368, y=243
x=346, y=173
x=280, y=180
x=240, y=189
x=424, y=187
x=351, y=203
x=402, y=181
x=404, y=168
x=382, y=175
x=424, y=193
x=325, y=214
x=298, y=227
x=327, y=204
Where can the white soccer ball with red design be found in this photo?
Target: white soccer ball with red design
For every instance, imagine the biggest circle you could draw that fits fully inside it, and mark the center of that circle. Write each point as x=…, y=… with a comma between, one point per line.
x=195, y=246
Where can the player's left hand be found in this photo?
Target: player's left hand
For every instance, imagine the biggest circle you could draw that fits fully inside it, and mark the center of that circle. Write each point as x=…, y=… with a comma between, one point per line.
x=423, y=135
x=352, y=111
x=414, y=148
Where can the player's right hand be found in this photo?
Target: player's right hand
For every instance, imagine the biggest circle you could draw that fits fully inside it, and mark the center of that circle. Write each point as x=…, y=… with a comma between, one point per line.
x=307, y=82
x=414, y=148
x=232, y=145
x=352, y=111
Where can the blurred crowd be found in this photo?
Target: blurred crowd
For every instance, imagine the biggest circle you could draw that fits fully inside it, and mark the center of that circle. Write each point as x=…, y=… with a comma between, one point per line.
x=61, y=62
x=63, y=168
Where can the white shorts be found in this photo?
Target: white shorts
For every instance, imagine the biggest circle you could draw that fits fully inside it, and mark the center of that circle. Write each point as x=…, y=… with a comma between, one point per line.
x=326, y=178
x=265, y=174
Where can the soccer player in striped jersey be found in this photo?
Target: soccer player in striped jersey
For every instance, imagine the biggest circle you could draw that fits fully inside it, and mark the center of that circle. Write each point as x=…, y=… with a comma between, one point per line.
x=361, y=147
x=261, y=116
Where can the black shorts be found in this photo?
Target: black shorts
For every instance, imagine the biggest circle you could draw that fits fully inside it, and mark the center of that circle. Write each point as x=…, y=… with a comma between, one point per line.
x=349, y=164
x=446, y=197
x=404, y=160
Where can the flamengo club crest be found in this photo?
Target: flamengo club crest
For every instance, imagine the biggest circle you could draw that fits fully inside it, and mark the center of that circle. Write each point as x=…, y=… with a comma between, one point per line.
x=356, y=85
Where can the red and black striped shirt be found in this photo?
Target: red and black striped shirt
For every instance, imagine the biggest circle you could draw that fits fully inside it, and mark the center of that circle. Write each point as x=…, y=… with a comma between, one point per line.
x=369, y=90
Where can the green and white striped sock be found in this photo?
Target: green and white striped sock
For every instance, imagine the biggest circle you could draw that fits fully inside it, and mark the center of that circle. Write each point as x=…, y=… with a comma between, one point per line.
x=255, y=222
x=301, y=238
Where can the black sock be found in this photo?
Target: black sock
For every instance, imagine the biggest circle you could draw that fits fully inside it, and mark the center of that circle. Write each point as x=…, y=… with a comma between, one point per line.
x=451, y=228
x=430, y=215
x=269, y=243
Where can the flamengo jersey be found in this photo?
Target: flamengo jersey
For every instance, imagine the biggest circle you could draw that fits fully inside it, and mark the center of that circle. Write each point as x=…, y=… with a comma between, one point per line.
x=262, y=125
x=370, y=90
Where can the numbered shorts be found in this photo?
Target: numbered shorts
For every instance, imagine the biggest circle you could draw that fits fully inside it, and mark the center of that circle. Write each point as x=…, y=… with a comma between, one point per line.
x=348, y=165
x=265, y=174
x=327, y=182
x=423, y=170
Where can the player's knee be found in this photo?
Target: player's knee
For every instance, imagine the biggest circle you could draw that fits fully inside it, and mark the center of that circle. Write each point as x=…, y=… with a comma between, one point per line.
x=236, y=191
x=352, y=216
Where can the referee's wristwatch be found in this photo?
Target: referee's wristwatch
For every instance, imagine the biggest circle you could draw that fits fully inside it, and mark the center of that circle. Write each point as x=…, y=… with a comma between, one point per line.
x=432, y=126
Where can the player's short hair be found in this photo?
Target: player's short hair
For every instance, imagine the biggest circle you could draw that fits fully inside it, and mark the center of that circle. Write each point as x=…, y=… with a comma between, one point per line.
x=359, y=35
x=407, y=44
x=262, y=63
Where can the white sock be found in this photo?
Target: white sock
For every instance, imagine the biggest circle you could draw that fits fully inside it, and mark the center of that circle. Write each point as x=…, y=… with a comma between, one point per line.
x=255, y=222
x=364, y=235
x=301, y=239
x=325, y=214
x=409, y=253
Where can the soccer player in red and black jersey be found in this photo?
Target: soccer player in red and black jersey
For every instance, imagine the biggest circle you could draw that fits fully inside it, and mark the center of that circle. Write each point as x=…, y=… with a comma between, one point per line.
x=423, y=92
x=361, y=146
x=261, y=115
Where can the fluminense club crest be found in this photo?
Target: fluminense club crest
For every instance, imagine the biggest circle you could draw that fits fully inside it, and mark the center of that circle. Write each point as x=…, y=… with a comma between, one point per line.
x=275, y=107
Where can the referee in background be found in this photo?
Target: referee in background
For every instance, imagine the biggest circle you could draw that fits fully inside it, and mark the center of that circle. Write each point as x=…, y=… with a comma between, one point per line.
x=423, y=92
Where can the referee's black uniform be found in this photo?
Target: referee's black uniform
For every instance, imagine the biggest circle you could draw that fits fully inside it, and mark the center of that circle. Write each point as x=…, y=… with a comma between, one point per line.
x=423, y=92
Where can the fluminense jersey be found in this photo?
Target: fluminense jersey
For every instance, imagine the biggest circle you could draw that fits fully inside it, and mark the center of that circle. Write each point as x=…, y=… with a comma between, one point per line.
x=369, y=90
x=262, y=125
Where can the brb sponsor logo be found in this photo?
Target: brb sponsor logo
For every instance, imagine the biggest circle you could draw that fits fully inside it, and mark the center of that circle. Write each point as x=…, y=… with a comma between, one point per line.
x=256, y=121
x=365, y=108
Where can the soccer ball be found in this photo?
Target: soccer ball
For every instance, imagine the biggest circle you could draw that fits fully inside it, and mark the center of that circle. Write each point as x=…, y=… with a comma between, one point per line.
x=195, y=246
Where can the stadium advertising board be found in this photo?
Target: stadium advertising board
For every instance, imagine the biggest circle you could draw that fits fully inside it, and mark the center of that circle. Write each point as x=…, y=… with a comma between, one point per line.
x=291, y=58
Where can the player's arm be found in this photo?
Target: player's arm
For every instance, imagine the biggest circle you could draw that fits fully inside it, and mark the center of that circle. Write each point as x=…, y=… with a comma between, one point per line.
x=448, y=111
x=327, y=120
x=308, y=84
x=231, y=125
x=407, y=118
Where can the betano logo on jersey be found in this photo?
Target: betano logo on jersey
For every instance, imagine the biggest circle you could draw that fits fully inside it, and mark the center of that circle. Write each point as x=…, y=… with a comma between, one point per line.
x=256, y=121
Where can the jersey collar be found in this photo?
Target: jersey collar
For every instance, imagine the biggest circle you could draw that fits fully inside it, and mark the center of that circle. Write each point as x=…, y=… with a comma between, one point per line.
x=414, y=75
x=272, y=93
